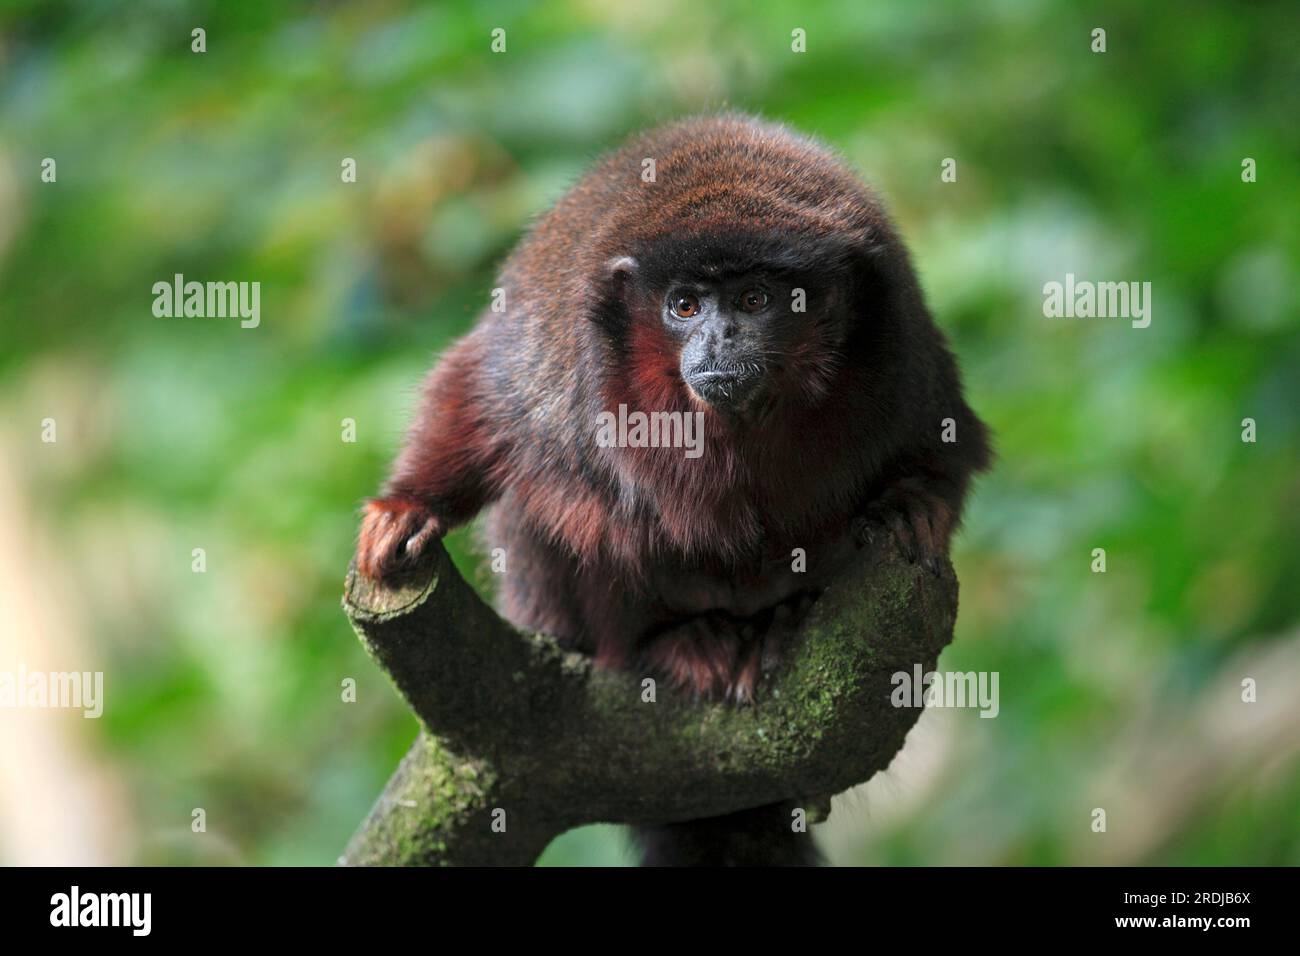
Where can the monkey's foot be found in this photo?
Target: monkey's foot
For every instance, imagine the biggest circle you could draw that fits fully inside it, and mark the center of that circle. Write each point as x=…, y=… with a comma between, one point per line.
x=918, y=522
x=394, y=533
x=699, y=655
x=718, y=656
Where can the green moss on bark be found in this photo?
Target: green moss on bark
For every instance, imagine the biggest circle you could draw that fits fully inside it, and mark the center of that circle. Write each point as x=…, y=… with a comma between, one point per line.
x=515, y=723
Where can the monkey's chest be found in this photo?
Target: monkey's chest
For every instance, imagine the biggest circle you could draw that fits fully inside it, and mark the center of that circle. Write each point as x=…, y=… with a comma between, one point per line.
x=748, y=587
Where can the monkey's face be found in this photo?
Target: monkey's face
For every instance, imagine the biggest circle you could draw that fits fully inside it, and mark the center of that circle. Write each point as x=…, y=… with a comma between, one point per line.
x=751, y=325
x=733, y=334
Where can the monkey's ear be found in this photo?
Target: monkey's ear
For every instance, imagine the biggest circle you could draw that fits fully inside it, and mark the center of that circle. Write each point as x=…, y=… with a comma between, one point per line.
x=611, y=311
x=620, y=271
x=873, y=267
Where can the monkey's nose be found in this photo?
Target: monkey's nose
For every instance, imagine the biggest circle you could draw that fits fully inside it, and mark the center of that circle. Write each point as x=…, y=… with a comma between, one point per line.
x=723, y=387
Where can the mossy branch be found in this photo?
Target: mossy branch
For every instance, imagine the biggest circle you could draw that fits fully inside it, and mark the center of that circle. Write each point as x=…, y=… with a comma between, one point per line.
x=513, y=723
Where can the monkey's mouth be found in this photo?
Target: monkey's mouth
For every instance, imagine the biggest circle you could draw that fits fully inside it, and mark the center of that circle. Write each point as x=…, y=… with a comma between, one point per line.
x=727, y=387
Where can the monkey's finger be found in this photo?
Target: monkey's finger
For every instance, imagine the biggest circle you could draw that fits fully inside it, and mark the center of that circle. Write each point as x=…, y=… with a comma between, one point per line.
x=421, y=531
x=746, y=679
x=900, y=527
x=770, y=656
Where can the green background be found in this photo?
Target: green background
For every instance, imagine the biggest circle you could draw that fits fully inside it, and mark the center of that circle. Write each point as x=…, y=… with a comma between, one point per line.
x=1119, y=690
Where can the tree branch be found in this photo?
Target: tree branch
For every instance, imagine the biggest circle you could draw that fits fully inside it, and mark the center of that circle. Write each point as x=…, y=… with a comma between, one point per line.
x=512, y=722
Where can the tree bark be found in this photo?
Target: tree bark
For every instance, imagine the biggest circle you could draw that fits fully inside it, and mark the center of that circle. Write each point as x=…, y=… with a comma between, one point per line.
x=522, y=740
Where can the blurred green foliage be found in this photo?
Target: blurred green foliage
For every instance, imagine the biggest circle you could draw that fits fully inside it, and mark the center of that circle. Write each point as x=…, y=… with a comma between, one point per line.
x=1118, y=690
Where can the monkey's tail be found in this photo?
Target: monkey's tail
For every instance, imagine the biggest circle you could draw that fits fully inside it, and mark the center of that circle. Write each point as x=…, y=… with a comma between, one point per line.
x=763, y=836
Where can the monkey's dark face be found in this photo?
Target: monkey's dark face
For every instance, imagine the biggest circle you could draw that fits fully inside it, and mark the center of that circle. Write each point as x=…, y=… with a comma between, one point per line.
x=733, y=334
x=751, y=323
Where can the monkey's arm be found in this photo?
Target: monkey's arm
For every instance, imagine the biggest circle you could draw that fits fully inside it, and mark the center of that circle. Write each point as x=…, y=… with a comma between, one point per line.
x=919, y=500
x=445, y=473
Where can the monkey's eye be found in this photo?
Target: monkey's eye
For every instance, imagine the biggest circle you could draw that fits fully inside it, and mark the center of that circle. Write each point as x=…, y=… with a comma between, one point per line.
x=685, y=305
x=755, y=300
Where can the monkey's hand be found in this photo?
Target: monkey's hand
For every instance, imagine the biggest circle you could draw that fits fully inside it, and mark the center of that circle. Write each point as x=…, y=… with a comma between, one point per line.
x=918, y=521
x=394, y=533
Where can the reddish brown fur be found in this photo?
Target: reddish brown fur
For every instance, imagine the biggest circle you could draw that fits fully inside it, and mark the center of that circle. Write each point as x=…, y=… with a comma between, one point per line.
x=674, y=566
x=644, y=557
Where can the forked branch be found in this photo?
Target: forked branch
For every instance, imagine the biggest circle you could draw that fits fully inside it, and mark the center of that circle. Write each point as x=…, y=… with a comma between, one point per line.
x=517, y=731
